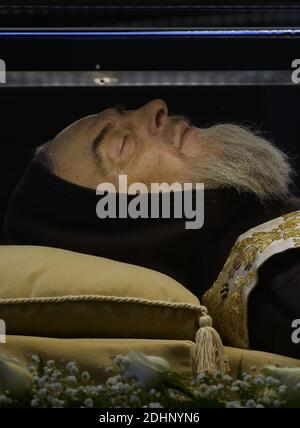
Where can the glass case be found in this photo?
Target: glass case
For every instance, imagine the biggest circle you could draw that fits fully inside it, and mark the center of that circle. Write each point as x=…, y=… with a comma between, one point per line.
x=213, y=61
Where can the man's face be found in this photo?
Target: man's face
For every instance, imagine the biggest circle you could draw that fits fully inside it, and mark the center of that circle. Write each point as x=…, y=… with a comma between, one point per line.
x=146, y=144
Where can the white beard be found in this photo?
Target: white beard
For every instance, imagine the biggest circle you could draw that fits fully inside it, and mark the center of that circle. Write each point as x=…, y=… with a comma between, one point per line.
x=245, y=161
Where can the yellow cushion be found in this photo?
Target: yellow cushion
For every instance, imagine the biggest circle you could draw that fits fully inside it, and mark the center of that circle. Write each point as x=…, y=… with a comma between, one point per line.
x=249, y=358
x=57, y=293
x=91, y=354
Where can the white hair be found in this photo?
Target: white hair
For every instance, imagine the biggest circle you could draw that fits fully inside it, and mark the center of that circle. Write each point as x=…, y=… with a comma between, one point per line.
x=241, y=159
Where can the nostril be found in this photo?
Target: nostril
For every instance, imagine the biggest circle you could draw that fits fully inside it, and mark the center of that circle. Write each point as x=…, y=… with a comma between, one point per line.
x=159, y=117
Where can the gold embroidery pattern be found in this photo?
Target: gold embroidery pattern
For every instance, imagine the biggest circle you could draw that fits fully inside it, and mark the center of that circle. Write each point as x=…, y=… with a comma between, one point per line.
x=227, y=299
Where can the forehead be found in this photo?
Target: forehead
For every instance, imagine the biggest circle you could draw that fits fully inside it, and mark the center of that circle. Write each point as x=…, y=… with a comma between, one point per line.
x=104, y=114
x=91, y=122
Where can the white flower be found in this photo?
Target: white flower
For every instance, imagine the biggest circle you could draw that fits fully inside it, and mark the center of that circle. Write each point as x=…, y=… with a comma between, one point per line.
x=91, y=389
x=56, y=374
x=148, y=371
x=200, y=377
x=71, y=379
x=14, y=377
x=233, y=405
x=41, y=381
x=250, y=403
x=55, y=402
x=259, y=381
x=85, y=376
x=113, y=380
x=123, y=387
x=35, y=402
x=88, y=402
x=155, y=405
x=71, y=393
x=42, y=393
x=282, y=389
x=35, y=358
x=265, y=401
x=72, y=368
x=56, y=387
x=271, y=381
x=227, y=378
x=247, y=377
x=134, y=399
x=5, y=400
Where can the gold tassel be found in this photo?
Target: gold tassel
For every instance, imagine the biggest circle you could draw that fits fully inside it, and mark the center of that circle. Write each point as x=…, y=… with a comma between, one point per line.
x=209, y=353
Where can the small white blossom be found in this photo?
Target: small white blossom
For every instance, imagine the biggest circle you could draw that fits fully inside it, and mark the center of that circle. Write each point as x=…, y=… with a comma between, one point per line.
x=200, y=377
x=282, y=389
x=56, y=387
x=272, y=381
x=72, y=368
x=42, y=393
x=71, y=379
x=265, y=401
x=250, y=403
x=88, y=402
x=56, y=374
x=71, y=393
x=155, y=405
x=233, y=405
x=91, y=389
x=227, y=378
x=134, y=399
x=35, y=358
x=35, y=402
x=85, y=376
x=41, y=381
x=113, y=380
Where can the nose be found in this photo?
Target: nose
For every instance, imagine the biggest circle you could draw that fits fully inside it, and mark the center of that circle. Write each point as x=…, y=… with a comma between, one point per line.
x=155, y=114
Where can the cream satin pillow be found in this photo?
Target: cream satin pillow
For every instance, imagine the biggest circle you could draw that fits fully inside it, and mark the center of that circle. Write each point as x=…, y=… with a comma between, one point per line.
x=58, y=293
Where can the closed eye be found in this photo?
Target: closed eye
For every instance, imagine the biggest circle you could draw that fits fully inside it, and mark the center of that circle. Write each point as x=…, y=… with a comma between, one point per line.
x=100, y=138
x=125, y=140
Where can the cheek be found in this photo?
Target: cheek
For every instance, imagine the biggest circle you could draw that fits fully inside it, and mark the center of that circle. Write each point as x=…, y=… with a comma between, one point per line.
x=158, y=165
